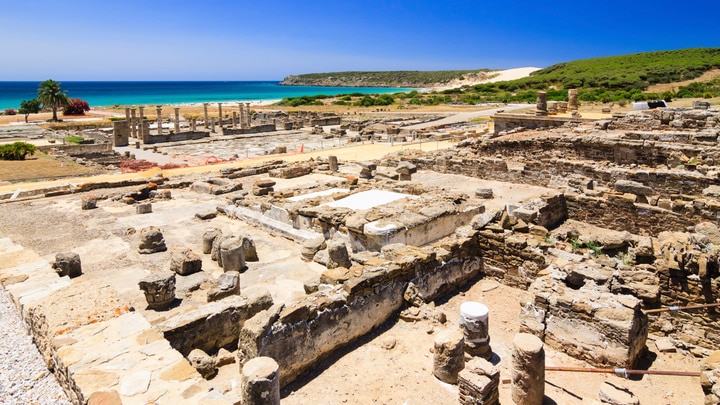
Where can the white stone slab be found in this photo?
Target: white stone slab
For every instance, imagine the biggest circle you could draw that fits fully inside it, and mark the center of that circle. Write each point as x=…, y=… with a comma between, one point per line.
x=368, y=199
x=319, y=194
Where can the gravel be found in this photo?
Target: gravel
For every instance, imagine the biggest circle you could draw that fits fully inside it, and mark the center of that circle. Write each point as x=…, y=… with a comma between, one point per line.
x=24, y=378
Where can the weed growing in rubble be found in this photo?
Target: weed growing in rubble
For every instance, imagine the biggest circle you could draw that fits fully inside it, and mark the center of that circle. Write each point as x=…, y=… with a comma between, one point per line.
x=595, y=248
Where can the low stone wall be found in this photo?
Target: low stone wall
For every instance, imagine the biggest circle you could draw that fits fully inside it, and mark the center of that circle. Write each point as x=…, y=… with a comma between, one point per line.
x=507, y=121
x=324, y=121
x=299, y=336
x=74, y=150
x=252, y=130
x=176, y=137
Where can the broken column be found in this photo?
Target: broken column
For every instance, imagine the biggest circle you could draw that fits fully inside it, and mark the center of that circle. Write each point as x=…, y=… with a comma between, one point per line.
x=159, y=289
x=231, y=254
x=242, y=116
x=474, y=324
x=212, y=124
x=220, y=116
x=248, y=118
x=572, y=100
x=261, y=382
x=205, y=116
x=249, y=249
x=67, y=264
x=208, y=239
x=528, y=370
x=479, y=383
x=234, y=119
x=449, y=355
x=141, y=124
x=151, y=241
x=333, y=163
x=193, y=124
x=133, y=124
x=541, y=107
x=177, y=120
x=159, y=119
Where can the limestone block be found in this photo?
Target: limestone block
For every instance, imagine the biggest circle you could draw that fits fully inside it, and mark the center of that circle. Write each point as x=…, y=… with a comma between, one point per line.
x=144, y=208
x=311, y=246
x=528, y=370
x=484, y=192
x=151, y=241
x=67, y=264
x=206, y=214
x=338, y=256
x=203, y=363
x=231, y=255
x=449, y=355
x=226, y=285
x=633, y=187
x=479, y=383
x=88, y=203
x=249, y=249
x=159, y=289
x=185, y=261
x=406, y=168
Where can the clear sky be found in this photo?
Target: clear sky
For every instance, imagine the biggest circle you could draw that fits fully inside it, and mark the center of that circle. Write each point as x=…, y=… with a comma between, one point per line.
x=268, y=40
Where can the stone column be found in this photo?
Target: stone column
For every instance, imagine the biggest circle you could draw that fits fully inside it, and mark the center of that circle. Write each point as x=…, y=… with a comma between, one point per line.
x=205, y=122
x=541, y=103
x=159, y=289
x=159, y=119
x=247, y=115
x=193, y=124
x=572, y=100
x=231, y=255
x=333, y=163
x=127, y=114
x=212, y=124
x=475, y=326
x=141, y=122
x=528, y=370
x=449, y=355
x=242, y=116
x=133, y=124
x=177, y=120
x=260, y=382
x=208, y=239
x=220, y=114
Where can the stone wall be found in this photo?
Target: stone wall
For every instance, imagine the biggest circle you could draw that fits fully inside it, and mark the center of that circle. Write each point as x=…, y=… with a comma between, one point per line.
x=74, y=150
x=299, y=336
x=176, y=137
x=324, y=121
x=506, y=121
x=252, y=130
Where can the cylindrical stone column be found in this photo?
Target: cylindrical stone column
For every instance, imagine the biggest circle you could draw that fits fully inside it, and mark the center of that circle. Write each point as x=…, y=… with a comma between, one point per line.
x=247, y=115
x=449, y=356
x=177, y=120
x=541, y=103
x=261, y=382
x=133, y=123
x=572, y=100
x=474, y=323
x=208, y=239
x=242, y=116
x=234, y=119
x=528, y=370
x=141, y=123
x=159, y=119
x=127, y=114
x=212, y=124
x=193, y=124
x=205, y=122
x=333, y=161
x=232, y=256
x=220, y=116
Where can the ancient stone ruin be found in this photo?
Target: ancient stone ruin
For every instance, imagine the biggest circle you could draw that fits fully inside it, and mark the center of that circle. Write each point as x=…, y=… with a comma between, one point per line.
x=274, y=268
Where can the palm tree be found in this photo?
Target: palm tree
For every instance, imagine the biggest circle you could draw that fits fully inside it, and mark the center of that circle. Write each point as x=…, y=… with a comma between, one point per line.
x=50, y=94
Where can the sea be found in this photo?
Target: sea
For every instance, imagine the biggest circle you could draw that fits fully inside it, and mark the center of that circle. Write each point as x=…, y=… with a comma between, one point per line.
x=127, y=93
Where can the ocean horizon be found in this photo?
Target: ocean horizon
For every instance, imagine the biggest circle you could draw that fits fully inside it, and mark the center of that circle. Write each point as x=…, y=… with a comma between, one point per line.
x=130, y=93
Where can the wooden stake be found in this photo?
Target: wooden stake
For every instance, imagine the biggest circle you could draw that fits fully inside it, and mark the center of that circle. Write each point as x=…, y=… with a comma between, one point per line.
x=677, y=308
x=623, y=372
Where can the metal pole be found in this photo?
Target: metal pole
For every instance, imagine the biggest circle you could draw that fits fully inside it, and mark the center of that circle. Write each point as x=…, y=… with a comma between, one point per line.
x=677, y=308
x=623, y=371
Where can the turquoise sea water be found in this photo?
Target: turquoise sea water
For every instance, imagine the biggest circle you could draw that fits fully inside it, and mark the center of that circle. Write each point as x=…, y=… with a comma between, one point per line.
x=142, y=93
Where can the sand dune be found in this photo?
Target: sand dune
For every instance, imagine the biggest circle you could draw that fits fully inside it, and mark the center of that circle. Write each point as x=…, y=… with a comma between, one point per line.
x=496, y=76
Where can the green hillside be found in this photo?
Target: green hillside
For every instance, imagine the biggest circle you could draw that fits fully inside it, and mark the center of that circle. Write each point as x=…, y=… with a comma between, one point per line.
x=399, y=78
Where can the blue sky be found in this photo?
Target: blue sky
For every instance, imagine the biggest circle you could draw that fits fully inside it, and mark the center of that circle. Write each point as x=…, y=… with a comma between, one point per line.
x=268, y=40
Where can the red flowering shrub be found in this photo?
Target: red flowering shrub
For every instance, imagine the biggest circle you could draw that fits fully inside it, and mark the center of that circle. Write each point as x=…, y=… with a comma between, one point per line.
x=76, y=107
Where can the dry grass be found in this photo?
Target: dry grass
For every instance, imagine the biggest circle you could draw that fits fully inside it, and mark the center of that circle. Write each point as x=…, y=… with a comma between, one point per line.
x=39, y=167
x=663, y=87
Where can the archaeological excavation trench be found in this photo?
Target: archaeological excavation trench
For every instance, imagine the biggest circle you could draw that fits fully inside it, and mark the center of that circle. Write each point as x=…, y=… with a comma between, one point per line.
x=152, y=291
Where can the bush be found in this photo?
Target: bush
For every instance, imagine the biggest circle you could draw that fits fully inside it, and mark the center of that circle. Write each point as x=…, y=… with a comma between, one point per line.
x=16, y=151
x=76, y=107
x=10, y=111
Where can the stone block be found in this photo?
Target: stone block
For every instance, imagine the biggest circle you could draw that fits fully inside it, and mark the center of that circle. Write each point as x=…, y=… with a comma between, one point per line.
x=67, y=264
x=144, y=208
x=632, y=187
x=226, y=285
x=151, y=241
x=184, y=262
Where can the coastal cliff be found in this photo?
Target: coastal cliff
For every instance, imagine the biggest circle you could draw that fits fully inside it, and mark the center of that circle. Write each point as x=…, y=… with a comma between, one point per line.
x=406, y=79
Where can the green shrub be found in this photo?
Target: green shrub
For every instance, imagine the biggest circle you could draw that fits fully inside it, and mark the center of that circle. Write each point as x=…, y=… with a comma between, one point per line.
x=16, y=151
x=74, y=139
